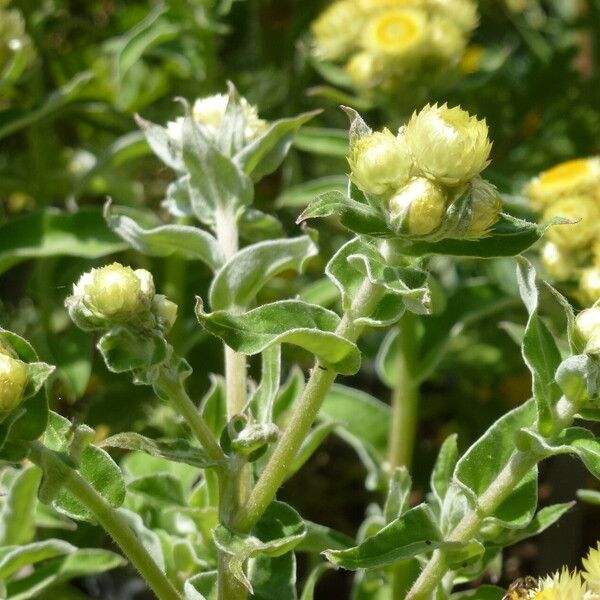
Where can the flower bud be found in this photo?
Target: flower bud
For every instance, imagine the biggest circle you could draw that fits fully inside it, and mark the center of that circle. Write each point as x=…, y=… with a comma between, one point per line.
x=380, y=163
x=113, y=292
x=570, y=178
x=448, y=144
x=418, y=208
x=335, y=32
x=165, y=312
x=396, y=33
x=589, y=284
x=587, y=330
x=14, y=375
x=559, y=263
x=574, y=236
x=364, y=70
x=485, y=208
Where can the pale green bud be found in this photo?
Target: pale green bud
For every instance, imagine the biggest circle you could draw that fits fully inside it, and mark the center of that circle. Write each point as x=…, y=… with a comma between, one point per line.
x=590, y=284
x=336, y=31
x=585, y=214
x=559, y=263
x=14, y=375
x=587, y=330
x=418, y=208
x=113, y=292
x=380, y=163
x=486, y=207
x=165, y=312
x=448, y=144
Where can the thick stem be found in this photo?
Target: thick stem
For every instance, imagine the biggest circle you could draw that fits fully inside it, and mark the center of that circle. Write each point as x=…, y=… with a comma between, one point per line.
x=512, y=474
x=111, y=520
x=405, y=397
x=169, y=387
x=304, y=414
x=235, y=363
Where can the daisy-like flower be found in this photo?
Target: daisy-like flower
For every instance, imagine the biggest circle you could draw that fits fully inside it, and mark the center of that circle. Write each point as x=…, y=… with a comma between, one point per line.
x=448, y=144
x=565, y=585
x=591, y=567
x=337, y=29
x=574, y=177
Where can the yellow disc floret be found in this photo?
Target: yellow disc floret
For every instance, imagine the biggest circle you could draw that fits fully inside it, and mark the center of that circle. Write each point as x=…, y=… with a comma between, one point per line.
x=396, y=32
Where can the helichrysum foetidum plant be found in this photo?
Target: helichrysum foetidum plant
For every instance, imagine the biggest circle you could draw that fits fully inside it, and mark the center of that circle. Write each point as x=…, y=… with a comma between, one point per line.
x=572, y=251
x=386, y=45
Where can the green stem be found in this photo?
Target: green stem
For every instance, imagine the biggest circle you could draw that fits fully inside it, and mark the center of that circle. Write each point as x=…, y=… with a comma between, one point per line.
x=304, y=414
x=110, y=519
x=405, y=396
x=169, y=387
x=516, y=469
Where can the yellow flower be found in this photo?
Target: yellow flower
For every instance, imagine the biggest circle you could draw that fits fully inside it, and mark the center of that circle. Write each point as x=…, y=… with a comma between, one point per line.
x=365, y=70
x=486, y=208
x=591, y=569
x=462, y=12
x=589, y=284
x=380, y=163
x=114, y=291
x=560, y=586
x=587, y=330
x=447, y=39
x=337, y=29
x=586, y=214
x=374, y=5
x=396, y=33
x=579, y=176
x=14, y=374
x=448, y=144
x=559, y=263
x=418, y=208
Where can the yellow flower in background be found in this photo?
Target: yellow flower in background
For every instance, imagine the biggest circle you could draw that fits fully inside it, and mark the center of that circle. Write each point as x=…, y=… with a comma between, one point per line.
x=448, y=144
x=447, y=38
x=365, y=69
x=471, y=59
x=374, y=5
x=396, y=33
x=589, y=284
x=581, y=233
x=565, y=585
x=587, y=329
x=591, y=569
x=559, y=263
x=336, y=31
x=462, y=12
x=579, y=176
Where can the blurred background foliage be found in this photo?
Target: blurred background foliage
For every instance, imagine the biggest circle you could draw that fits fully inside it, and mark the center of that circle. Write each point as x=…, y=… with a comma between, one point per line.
x=73, y=74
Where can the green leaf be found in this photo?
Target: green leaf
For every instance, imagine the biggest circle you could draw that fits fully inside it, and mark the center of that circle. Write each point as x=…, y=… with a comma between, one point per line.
x=162, y=144
x=53, y=233
x=213, y=405
x=405, y=288
x=398, y=496
x=279, y=530
x=185, y=241
x=363, y=422
x=483, y=592
x=411, y=534
x=238, y=282
x=216, y=183
x=178, y=450
x=273, y=578
x=308, y=591
x=14, y=558
x=479, y=467
x=95, y=466
x=309, y=446
x=261, y=403
x=354, y=216
x=263, y=155
x=17, y=518
x=256, y=226
x=160, y=489
x=578, y=378
x=441, y=475
x=289, y=321
x=323, y=141
x=81, y=563
x=319, y=538
x=589, y=496
x=539, y=349
x=146, y=536
x=302, y=194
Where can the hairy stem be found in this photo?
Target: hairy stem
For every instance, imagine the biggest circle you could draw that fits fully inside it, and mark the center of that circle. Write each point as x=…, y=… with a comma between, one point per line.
x=304, y=413
x=405, y=397
x=110, y=519
x=512, y=474
x=235, y=363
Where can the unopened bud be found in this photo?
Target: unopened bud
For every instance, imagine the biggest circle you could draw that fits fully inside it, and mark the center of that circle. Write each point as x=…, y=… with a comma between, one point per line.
x=485, y=208
x=587, y=330
x=448, y=144
x=418, y=208
x=590, y=284
x=165, y=312
x=380, y=163
x=14, y=375
x=586, y=216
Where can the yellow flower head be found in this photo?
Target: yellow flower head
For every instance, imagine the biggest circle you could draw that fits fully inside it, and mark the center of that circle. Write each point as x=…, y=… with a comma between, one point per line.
x=579, y=176
x=380, y=163
x=418, y=208
x=396, y=33
x=559, y=263
x=448, y=144
x=591, y=569
x=337, y=29
x=14, y=374
x=586, y=214
x=374, y=5
x=560, y=586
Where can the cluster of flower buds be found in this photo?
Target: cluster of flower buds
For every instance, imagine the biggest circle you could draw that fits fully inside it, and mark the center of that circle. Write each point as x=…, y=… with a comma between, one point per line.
x=572, y=252
x=118, y=295
x=14, y=377
x=386, y=44
x=209, y=113
x=426, y=178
